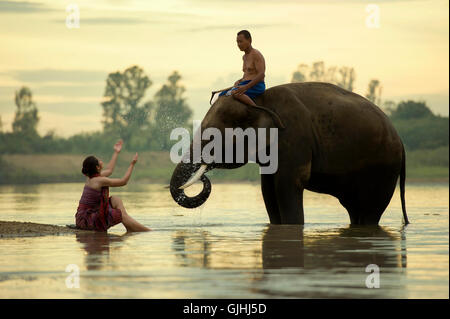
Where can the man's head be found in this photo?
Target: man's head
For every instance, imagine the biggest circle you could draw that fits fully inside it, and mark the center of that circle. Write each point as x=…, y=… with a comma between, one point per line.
x=244, y=40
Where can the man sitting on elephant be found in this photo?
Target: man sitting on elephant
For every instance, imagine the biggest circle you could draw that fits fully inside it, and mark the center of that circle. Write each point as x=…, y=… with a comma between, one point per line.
x=252, y=83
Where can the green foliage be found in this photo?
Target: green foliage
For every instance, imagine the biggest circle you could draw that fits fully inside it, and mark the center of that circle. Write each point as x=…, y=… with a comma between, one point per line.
x=4, y=171
x=428, y=164
x=432, y=157
x=248, y=173
x=342, y=77
x=418, y=127
x=147, y=126
x=13, y=143
x=374, y=92
x=93, y=143
x=26, y=118
x=157, y=167
x=124, y=116
x=122, y=112
x=171, y=111
x=407, y=110
x=423, y=133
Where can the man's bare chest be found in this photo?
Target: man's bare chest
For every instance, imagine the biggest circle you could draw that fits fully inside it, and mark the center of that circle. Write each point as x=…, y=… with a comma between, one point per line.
x=249, y=64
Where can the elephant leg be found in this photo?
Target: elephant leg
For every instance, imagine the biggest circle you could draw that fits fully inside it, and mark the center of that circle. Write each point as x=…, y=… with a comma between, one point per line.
x=268, y=192
x=290, y=199
x=369, y=195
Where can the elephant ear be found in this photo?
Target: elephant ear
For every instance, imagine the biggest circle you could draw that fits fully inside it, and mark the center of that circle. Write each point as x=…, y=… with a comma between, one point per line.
x=276, y=118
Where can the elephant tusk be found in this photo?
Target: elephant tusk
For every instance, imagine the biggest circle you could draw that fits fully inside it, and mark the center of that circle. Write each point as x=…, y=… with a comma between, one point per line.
x=195, y=178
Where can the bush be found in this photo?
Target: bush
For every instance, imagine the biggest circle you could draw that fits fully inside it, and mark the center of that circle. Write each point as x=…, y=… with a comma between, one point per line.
x=423, y=133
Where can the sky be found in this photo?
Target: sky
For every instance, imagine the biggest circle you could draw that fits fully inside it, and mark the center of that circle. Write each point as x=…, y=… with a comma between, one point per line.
x=402, y=43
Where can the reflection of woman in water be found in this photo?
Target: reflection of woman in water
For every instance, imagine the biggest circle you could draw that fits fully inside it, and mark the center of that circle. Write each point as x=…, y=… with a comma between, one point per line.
x=97, y=246
x=96, y=210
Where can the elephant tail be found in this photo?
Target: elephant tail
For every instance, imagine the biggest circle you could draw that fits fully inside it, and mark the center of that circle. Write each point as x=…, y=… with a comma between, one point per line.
x=402, y=186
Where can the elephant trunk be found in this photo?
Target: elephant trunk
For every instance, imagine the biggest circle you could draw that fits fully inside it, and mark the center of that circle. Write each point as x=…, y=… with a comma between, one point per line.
x=181, y=179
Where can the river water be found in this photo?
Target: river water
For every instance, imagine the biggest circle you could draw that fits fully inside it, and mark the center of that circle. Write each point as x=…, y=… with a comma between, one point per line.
x=226, y=248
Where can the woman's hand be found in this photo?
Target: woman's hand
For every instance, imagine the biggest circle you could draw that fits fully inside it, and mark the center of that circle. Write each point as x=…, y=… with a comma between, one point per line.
x=118, y=146
x=135, y=158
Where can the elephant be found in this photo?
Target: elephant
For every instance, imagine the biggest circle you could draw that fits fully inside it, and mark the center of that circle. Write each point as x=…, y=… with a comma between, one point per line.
x=330, y=140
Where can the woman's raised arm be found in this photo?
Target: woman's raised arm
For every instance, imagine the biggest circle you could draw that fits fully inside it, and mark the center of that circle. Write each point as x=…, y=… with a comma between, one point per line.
x=116, y=182
x=112, y=163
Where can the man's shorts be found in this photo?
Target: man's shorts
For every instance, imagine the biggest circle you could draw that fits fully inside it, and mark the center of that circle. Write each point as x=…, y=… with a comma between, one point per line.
x=252, y=92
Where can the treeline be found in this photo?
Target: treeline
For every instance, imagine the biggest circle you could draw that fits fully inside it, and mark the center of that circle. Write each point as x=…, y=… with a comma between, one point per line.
x=419, y=127
x=143, y=125
x=146, y=125
x=416, y=124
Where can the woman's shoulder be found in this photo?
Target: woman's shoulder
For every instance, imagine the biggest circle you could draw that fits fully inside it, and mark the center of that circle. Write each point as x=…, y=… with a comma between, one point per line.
x=95, y=183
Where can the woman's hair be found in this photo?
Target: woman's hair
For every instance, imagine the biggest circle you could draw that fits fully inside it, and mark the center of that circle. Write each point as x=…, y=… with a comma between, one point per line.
x=90, y=164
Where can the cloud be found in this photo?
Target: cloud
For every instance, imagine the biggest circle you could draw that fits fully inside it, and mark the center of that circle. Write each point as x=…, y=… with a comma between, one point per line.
x=23, y=7
x=63, y=125
x=236, y=26
x=300, y=2
x=53, y=75
x=60, y=78
x=132, y=18
x=111, y=21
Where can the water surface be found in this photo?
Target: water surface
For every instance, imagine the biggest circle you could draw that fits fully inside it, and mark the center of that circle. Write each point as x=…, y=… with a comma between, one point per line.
x=226, y=248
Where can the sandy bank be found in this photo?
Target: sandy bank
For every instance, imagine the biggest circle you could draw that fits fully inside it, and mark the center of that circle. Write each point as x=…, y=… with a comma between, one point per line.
x=24, y=229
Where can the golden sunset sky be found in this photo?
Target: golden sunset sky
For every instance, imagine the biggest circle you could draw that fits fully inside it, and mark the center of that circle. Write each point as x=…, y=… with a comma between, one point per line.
x=66, y=68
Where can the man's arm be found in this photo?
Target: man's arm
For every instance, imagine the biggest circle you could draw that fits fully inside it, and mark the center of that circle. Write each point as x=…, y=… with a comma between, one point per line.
x=238, y=81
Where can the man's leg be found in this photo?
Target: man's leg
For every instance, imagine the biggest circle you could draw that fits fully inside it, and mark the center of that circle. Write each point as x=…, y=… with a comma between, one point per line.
x=245, y=99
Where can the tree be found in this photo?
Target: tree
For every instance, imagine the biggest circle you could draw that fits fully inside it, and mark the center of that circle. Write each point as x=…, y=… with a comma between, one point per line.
x=319, y=73
x=300, y=75
x=347, y=78
x=172, y=110
x=388, y=106
x=410, y=110
x=1, y=125
x=122, y=111
x=374, y=92
x=418, y=127
x=26, y=118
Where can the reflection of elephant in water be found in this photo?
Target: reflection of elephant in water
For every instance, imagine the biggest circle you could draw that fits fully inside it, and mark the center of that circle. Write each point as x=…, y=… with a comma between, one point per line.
x=287, y=246
x=332, y=263
x=327, y=263
x=334, y=142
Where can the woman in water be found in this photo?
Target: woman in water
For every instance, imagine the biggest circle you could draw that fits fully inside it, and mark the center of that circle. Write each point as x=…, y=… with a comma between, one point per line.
x=96, y=210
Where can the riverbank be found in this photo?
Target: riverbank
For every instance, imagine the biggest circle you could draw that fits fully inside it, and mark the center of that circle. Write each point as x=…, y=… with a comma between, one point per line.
x=156, y=167
x=12, y=229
